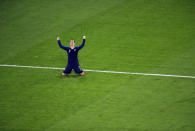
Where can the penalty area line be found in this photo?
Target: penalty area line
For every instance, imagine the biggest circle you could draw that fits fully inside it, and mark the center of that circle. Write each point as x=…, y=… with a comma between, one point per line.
x=113, y=72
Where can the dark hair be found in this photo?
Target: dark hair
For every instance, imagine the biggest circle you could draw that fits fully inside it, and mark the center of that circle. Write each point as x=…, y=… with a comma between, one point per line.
x=74, y=41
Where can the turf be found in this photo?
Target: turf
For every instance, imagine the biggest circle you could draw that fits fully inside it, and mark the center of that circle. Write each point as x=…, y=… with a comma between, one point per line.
x=155, y=36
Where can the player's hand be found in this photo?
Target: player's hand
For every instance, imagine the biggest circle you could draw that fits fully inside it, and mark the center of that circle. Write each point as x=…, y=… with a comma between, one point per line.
x=84, y=37
x=58, y=38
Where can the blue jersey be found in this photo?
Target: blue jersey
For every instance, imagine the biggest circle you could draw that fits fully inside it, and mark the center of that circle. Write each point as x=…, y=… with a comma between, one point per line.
x=72, y=53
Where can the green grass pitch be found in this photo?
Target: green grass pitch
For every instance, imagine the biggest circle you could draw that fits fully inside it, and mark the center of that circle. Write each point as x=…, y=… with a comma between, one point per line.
x=146, y=36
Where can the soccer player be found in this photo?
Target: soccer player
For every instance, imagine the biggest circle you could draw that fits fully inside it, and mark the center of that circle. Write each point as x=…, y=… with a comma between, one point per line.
x=73, y=62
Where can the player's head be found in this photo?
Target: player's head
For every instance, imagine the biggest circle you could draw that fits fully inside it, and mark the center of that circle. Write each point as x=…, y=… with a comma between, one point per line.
x=72, y=43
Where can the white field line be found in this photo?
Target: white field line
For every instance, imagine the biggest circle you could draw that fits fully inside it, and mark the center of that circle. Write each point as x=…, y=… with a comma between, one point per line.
x=113, y=72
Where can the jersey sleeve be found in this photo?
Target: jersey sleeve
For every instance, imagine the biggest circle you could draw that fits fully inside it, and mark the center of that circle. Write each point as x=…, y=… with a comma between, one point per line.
x=82, y=45
x=61, y=46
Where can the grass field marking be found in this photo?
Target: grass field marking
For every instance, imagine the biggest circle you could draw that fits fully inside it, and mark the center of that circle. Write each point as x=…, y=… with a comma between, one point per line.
x=21, y=66
x=146, y=74
x=113, y=72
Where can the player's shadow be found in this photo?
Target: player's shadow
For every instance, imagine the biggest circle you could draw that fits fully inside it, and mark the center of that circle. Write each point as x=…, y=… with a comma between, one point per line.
x=70, y=76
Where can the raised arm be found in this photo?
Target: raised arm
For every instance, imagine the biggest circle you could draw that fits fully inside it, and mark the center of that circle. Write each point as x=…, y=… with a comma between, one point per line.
x=61, y=46
x=82, y=45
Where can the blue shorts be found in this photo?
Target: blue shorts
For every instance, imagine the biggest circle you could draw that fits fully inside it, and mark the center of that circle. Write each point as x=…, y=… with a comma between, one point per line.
x=77, y=69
